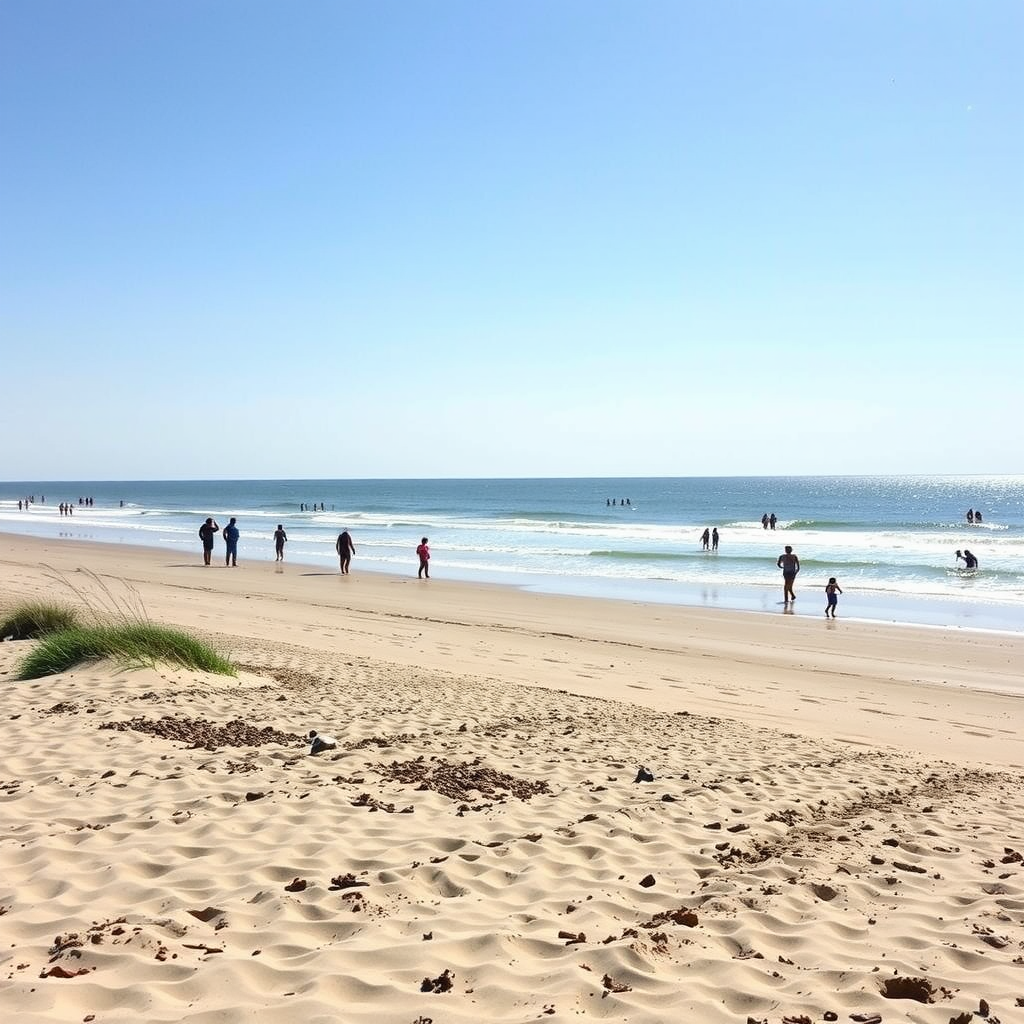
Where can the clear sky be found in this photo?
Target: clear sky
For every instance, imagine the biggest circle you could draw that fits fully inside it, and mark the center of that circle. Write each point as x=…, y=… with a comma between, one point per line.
x=525, y=238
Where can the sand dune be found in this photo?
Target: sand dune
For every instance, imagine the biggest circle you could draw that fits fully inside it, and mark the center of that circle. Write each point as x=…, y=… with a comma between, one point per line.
x=477, y=847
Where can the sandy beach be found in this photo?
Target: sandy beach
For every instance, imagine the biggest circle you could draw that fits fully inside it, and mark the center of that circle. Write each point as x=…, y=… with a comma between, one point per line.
x=833, y=830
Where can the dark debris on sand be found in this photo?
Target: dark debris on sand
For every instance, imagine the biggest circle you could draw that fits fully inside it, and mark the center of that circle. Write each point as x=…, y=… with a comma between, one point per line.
x=458, y=779
x=442, y=983
x=65, y=707
x=393, y=740
x=199, y=732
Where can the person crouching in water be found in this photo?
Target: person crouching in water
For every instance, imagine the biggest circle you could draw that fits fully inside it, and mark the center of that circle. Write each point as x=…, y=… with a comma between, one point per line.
x=832, y=592
x=970, y=561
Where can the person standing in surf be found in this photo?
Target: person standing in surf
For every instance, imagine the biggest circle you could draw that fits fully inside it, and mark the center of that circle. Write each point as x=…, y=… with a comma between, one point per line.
x=790, y=566
x=280, y=539
x=345, y=549
x=832, y=592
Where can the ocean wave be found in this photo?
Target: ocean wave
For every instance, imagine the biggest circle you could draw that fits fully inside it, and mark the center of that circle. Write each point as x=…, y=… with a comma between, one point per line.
x=884, y=525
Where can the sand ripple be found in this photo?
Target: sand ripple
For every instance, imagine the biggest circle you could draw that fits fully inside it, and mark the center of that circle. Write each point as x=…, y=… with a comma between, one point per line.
x=476, y=851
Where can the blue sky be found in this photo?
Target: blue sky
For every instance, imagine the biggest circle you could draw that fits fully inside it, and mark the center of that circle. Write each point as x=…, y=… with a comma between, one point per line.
x=327, y=239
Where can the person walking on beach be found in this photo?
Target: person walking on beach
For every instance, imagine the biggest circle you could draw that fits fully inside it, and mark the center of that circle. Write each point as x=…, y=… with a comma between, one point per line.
x=280, y=539
x=231, y=543
x=790, y=566
x=423, y=553
x=206, y=532
x=764, y=521
x=705, y=538
x=772, y=520
x=714, y=539
x=345, y=548
x=832, y=590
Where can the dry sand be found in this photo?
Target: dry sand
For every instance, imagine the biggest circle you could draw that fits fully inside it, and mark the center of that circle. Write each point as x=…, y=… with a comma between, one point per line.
x=835, y=823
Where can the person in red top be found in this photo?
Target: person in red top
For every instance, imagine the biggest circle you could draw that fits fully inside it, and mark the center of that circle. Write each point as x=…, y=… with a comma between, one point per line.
x=424, y=555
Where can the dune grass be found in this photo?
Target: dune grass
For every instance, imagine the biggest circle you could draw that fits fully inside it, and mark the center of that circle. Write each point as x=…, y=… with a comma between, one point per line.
x=131, y=644
x=114, y=625
x=31, y=619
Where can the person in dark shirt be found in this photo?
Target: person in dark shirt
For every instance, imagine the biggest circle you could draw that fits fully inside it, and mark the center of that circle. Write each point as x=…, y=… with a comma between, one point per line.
x=346, y=549
x=206, y=532
x=280, y=538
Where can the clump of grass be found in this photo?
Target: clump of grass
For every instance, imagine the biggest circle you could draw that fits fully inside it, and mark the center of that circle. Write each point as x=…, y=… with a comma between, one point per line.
x=30, y=619
x=119, y=629
x=132, y=644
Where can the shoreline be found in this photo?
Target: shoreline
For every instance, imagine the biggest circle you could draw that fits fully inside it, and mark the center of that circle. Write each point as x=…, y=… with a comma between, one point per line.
x=890, y=607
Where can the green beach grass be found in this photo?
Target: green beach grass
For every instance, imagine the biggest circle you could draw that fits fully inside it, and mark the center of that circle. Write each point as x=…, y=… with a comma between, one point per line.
x=132, y=644
x=112, y=626
x=31, y=619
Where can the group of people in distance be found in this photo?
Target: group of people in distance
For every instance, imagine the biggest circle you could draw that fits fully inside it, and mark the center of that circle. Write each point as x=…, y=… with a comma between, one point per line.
x=788, y=561
x=343, y=545
x=973, y=518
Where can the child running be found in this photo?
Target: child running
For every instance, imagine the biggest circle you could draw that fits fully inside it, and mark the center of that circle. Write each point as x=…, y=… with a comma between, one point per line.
x=832, y=591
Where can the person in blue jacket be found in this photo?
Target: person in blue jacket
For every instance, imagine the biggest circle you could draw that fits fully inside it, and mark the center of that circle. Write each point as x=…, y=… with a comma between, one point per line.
x=231, y=543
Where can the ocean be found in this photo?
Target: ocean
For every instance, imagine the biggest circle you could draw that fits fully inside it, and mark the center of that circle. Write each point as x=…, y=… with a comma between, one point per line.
x=889, y=540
